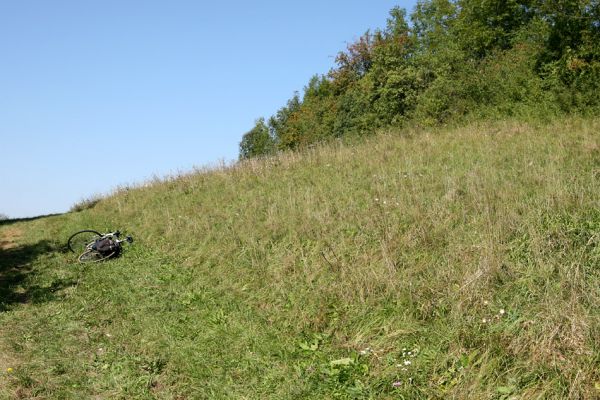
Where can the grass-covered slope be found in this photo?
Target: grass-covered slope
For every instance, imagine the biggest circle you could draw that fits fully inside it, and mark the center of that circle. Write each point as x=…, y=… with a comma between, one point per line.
x=461, y=263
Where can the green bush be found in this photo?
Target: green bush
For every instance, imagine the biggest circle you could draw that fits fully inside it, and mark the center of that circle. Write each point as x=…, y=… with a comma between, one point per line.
x=257, y=141
x=85, y=204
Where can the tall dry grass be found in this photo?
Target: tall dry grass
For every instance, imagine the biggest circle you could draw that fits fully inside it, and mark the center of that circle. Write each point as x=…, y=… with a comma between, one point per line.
x=477, y=247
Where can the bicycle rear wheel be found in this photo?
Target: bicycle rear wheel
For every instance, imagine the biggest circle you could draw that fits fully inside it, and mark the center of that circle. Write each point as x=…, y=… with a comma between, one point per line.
x=78, y=241
x=91, y=255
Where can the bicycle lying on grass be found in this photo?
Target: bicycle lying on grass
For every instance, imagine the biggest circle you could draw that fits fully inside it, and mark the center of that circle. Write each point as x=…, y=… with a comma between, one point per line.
x=93, y=246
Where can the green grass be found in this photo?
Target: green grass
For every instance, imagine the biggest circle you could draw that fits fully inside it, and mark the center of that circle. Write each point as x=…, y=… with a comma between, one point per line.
x=312, y=275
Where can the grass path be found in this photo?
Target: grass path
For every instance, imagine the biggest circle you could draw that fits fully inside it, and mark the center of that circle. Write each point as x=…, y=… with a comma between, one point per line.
x=9, y=239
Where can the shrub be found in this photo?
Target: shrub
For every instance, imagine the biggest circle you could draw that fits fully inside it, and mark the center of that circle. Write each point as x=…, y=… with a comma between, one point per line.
x=85, y=204
x=257, y=141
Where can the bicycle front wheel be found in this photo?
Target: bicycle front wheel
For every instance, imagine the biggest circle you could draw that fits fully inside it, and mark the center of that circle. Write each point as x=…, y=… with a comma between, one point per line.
x=78, y=242
x=92, y=255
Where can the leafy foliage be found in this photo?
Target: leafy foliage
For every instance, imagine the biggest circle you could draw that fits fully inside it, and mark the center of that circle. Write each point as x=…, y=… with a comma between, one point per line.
x=457, y=59
x=257, y=141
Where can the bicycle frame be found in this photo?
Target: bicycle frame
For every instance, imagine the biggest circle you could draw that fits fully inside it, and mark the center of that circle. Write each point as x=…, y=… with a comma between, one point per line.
x=111, y=235
x=88, y=248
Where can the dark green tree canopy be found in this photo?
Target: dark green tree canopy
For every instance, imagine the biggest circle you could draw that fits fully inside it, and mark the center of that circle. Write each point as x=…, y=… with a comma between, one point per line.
x=457, y=59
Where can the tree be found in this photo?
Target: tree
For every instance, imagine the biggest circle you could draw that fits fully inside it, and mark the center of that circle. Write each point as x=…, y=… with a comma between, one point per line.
x=457, y=59
x=257, y=141
x=279, y=127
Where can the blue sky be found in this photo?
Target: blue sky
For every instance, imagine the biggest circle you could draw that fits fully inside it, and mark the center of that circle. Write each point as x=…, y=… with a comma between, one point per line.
x=96, y=94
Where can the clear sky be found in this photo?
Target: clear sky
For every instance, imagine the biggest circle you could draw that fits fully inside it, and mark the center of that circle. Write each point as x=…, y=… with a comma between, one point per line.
x=96, y=94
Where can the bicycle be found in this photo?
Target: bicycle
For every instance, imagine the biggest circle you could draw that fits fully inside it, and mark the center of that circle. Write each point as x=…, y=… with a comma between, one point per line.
x=93, y=246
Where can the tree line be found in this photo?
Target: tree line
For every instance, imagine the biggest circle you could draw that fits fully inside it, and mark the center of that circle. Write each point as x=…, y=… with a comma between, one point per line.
x=456, y=59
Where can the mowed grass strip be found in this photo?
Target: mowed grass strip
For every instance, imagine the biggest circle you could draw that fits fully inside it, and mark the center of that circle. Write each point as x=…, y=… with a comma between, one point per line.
x=456, y=263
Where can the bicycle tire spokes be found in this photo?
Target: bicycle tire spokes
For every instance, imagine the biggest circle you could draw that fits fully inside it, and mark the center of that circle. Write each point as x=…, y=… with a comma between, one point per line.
x=80, y=241
x=83, y=243
x=92, y=255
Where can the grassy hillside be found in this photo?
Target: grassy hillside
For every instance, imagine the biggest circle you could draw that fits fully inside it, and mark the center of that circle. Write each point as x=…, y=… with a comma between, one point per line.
x=457, y=263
